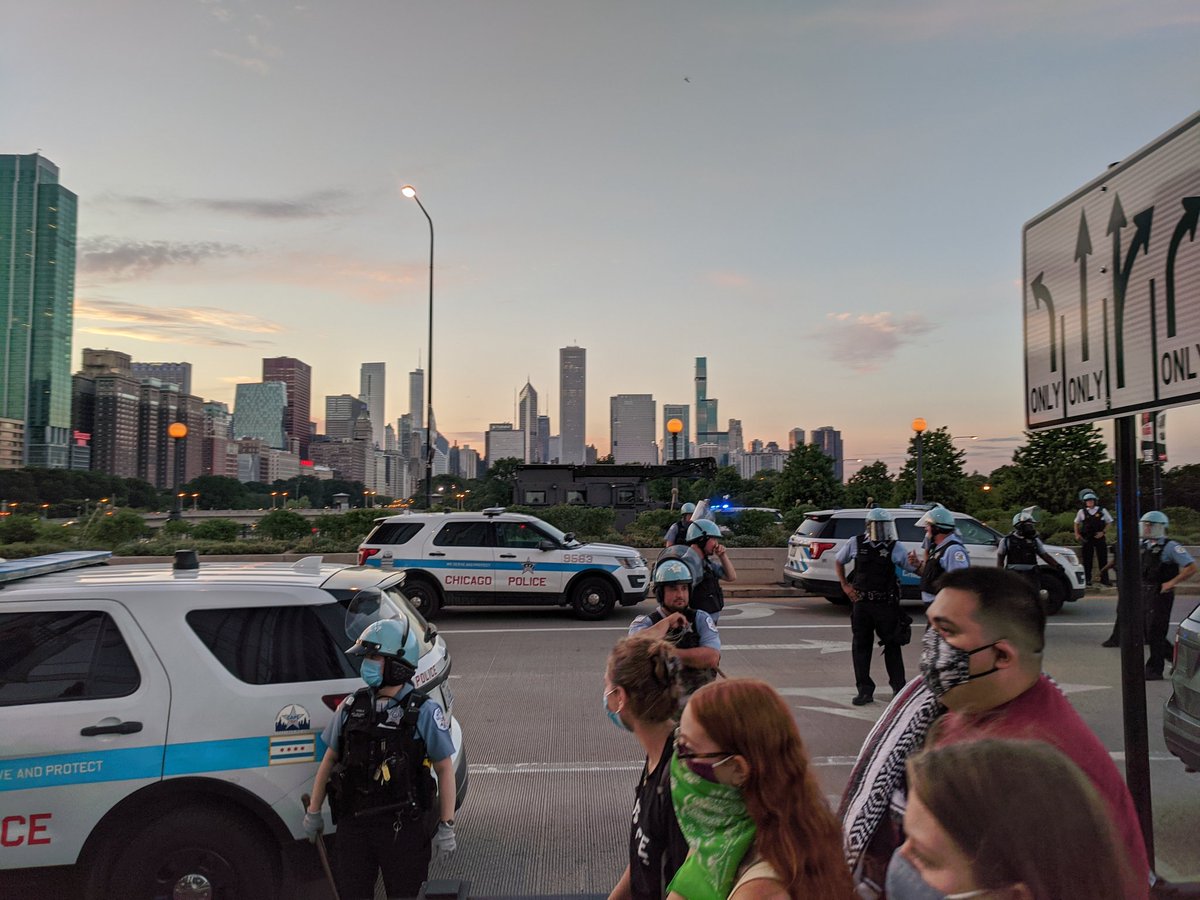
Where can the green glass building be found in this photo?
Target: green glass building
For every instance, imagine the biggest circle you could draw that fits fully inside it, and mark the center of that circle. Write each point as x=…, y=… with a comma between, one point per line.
x=37, y=291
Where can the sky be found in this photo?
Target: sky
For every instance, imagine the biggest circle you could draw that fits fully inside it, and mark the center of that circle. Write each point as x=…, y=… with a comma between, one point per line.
x=825, y=199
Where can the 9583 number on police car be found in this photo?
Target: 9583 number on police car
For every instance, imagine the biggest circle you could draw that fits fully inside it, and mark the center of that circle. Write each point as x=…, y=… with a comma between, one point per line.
x=577, y=557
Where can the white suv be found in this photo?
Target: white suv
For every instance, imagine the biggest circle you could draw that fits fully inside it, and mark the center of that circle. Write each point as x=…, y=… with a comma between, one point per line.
x=161, y=724
x=814, y=545
x=497, y=557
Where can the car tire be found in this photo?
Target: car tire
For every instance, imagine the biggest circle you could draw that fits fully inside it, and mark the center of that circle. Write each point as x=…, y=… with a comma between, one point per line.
x=224, y=849
x=423, y=596
x=1056, y=590
x=593, y=598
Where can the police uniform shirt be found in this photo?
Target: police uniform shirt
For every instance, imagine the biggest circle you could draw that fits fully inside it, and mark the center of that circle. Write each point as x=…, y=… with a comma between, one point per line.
x=706, y=629
x=1172, y=552
x=1084, y=514
x=953, y=558
x=849, y=550
x=433, y=727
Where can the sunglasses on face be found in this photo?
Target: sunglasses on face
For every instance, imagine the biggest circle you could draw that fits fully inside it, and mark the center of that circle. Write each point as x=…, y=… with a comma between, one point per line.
x=682, y=752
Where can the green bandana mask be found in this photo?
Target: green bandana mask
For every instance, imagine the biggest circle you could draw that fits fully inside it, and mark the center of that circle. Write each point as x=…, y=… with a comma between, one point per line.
x=718, y=829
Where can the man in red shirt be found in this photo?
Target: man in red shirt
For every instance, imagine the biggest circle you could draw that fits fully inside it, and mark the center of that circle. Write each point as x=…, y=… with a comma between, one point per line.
x=983, y=660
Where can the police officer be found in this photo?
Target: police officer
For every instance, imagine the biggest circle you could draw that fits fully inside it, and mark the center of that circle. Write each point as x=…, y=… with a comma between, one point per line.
x=708, y=554
x=692, y=631
x=677, y=533
x=1164, y=564
x=944, y=551
x=1090, y=524
x=874, y=592
x=382, y=741
x=1021, y=548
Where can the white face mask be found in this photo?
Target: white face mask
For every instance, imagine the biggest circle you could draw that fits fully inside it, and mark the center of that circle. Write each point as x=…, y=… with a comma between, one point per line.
x=904, y=882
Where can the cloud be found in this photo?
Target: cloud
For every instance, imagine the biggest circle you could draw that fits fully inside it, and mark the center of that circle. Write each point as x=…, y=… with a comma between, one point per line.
x=122, y=260
x=864, y=341
x=729, y=279
x=254, y=64
x=316, y=205
x=206, y=326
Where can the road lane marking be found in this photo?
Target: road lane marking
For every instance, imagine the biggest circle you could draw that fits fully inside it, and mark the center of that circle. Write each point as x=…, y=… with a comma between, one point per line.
x=824, y=646
x=721, y=625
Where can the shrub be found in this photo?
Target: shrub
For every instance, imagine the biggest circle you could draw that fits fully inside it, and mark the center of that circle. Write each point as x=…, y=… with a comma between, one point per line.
x=122, y=526
x=24, y=550
x=18, y=529
x=587, y=523
x=283, y=525
x=216, y=530
x=348, y=526
x=175, y=527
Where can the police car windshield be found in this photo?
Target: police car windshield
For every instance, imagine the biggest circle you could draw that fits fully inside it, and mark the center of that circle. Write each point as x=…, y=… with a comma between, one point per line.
x=567, y=540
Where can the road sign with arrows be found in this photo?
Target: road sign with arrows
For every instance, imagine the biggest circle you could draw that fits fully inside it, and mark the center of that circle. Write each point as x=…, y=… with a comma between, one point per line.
x=1112, y=290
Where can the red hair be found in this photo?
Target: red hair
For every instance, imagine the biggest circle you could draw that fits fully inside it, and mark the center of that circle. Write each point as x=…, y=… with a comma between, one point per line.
x=797, y=832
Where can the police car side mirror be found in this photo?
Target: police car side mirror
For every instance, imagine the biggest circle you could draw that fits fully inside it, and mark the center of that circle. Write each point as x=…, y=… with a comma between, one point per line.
x=547, y=545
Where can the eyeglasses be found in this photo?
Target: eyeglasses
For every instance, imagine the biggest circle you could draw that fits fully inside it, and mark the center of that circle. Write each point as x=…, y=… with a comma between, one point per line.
x=681, y=751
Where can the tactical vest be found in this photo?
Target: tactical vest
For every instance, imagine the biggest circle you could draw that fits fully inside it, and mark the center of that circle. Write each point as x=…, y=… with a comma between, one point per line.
x=680, y=538
x=686, y=639
x=1156, y=570
x=933, y=566
x=874, y=571
x=1092, y=524
x=381, y=763
x=707, y=594
x=1020, y=551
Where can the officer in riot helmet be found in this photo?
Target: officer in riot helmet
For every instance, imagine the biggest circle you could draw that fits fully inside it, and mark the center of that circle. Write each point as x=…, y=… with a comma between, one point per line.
x=1021, y=548
x=692, y=631
x=382, y=741
x=1164, y=564
x=677, y=533
x=874, y=592
x=943, y=550
x=708, y=554
x=1090, y=524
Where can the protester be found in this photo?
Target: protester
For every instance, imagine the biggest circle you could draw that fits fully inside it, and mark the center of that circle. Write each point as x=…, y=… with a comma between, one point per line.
x=641, y=694
x=1005, y=819
x=747, y=801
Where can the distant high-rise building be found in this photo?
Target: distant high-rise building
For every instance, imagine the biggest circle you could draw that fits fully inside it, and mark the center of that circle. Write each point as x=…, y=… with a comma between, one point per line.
x=12, y=443
x=219, y=453
x=177, y=373
x=297, y=376
x=527, y=409
x=37, y=293
x=468, y=462
x=502, y=441
x=544, y=439
x=389, y=439
x=707, y=432
x=342, y=412
x=372, y=390
x=676, y=447
x=737, y=443
x=572, y=404
x=795, y=438
x=829, y=440
x=632, y=426
x=105, y=405
x=258, y=411
x=416, y=397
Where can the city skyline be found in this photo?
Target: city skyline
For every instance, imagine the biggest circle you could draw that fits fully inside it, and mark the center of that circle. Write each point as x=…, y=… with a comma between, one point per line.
x=848, y=237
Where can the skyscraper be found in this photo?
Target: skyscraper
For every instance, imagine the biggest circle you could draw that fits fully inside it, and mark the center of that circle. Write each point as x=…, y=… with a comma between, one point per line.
x=707, y=433
x=416, y=397
x=371, y=389
x=502, y=441
x=527, y=406
x=829, y=440
x=572, y=404
x=631, y=424
x=179, y=373
x=795, y=438
x=342, y=412
x=258, y=410
x=676, y=448
x=37, y=290
x=544, y=439
x=106, y=407
x=297, y=377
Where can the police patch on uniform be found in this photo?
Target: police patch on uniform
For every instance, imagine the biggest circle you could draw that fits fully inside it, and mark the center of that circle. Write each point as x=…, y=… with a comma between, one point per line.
x=959, y=556
x=639, y=620
x=439, y=719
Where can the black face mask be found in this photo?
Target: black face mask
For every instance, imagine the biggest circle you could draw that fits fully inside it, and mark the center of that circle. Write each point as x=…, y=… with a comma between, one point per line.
x=944, y=666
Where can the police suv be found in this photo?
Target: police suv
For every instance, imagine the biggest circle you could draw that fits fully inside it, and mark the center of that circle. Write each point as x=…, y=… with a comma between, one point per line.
x=498, y=557
x=162, y=723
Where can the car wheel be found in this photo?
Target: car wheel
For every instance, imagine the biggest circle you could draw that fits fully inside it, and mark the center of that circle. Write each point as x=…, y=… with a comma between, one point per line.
x=1055, y=591
x=594, y=598
x=194, y=851
x=424, y=597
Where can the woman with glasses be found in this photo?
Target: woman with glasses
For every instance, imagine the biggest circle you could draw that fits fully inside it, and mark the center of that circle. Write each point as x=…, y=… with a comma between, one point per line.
x=745, y=797
x=642, y=690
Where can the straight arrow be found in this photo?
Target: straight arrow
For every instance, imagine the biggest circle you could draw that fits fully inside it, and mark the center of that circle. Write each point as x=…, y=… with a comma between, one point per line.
x=1141, y=241
x=1083, y=249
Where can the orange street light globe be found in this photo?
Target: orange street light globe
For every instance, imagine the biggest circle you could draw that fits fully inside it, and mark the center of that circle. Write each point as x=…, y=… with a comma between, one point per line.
x=918, y=425
x=674, y=425
x=177, y=430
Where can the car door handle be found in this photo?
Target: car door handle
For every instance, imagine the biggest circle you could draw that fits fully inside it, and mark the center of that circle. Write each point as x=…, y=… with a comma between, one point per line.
x=508, y=556
x=119, y=728
x=437, y=554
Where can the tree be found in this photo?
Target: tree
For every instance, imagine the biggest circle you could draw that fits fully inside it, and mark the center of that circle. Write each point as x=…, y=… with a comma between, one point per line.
x=216, y=491
x=942, y=476
x=215, y=530
x=1052, y=466
x=871, y=482
x=283, y=525
x=496, y=487
x=807, y=480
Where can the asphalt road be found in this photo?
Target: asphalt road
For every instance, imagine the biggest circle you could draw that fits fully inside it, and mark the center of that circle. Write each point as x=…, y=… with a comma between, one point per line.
x=552, y=779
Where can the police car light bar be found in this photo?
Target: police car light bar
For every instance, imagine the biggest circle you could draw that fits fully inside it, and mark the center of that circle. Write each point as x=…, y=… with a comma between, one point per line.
x=17, y=569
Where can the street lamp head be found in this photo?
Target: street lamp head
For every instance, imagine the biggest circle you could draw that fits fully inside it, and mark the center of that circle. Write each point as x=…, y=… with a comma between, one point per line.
x=408, y=191
x=918, y=425
x=674, y=425
x=177, y=430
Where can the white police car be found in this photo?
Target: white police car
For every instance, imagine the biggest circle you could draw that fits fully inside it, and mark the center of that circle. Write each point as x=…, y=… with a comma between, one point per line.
x=161, y=724
x=496, y=557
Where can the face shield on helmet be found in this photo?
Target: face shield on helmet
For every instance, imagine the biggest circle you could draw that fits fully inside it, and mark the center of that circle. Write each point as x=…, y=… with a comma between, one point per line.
x=394, y=640
x=940, y=518
x=1088, y=494
x=701, y=530
x=880, y=526
x=1154, y=525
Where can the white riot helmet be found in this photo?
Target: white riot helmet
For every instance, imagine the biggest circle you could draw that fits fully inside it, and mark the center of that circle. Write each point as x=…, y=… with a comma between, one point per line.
x=880, y=526
x=1154, y=525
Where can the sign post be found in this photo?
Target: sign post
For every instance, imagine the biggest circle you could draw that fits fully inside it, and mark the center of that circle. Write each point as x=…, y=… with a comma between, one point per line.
x=1111, y=290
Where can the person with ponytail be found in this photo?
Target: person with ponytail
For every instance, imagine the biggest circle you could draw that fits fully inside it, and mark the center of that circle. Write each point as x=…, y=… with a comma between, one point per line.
x=755, y=819
x=643, y=685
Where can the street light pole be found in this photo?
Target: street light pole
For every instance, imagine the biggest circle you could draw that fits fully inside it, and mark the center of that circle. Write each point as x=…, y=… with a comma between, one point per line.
x=411, y=192
x=918, y=425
